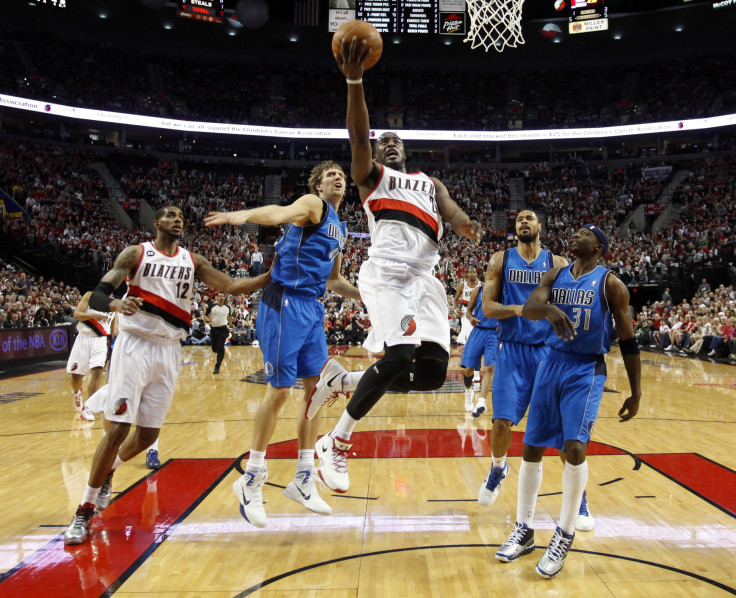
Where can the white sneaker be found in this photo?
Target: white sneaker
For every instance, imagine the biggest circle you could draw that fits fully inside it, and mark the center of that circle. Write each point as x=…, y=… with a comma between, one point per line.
x=333, y=465
x=86, y=414
x=249, y=490
x=302, y=490
x=469, y=396
x=671, y=348
x=488, y=492
x=328, y=388
x=584, y=522
x=480, y=407
x=77, y=397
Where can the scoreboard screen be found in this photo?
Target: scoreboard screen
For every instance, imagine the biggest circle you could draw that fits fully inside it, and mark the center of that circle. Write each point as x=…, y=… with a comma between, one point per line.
x=588, y=15
x=209, y=11
x=414, y=16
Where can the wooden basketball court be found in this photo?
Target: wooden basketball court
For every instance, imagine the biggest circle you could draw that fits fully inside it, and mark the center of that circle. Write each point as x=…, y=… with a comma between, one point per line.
x=662, y=489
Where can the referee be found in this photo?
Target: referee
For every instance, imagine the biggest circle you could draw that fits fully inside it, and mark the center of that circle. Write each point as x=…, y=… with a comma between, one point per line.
x=218, y=317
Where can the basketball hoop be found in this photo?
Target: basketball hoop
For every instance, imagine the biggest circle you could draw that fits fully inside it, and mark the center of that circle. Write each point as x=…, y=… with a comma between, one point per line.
x=494, y=24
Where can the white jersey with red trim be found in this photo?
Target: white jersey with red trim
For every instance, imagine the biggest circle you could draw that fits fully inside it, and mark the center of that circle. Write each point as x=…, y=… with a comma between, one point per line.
x=467, y=292
x=164, y=282
x=403, y=218
x=94, y=327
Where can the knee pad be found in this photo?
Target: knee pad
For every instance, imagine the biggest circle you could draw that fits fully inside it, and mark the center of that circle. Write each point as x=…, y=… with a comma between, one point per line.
x=431, y=366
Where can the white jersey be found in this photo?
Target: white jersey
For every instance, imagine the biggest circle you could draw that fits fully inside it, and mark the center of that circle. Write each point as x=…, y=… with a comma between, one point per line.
x=94, y=327
x=467, y=292
x=164, y=282
x=403, y=218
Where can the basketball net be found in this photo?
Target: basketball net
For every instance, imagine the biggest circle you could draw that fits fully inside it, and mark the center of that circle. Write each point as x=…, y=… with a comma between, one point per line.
x=494, y=24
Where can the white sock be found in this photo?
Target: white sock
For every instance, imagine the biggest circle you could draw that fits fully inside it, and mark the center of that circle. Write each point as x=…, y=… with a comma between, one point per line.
x=256, y=461
x=305, y=461
x=90, y=495
x=499, y=461
x=530, y=480
x=154, y=446
x=345, y=426
x=118, y=462
x=350, y=381
x=574, y=478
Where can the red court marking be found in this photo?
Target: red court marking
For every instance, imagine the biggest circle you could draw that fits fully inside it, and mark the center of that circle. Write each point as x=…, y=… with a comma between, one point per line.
x=710, y=480
x=128, y=528
x=393, y=444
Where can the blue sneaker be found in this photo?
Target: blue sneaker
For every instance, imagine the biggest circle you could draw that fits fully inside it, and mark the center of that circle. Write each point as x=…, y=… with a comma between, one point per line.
x=584, y=522
x=152, y=461
x=489, y=490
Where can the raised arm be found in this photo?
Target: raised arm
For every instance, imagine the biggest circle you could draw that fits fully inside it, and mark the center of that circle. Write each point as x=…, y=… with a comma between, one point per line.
x=224, y=282
x=618, y=303
x=339, y=284
x=459, y=221
x=492, y=291
x=125, y=263
x=363, y=169
x=305, y=210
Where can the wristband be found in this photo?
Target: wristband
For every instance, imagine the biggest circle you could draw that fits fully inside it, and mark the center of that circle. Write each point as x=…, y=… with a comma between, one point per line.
x=629, y=347
x=354, y=81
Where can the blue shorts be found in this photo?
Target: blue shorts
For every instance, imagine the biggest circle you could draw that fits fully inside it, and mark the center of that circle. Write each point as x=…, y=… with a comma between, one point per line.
x=567, y=395
x=482, y=342
x=291, y=333
x=513, y=380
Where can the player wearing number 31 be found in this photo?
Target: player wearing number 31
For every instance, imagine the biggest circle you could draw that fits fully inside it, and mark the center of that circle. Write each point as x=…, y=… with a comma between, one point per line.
x=578, y=300
x=155, y=316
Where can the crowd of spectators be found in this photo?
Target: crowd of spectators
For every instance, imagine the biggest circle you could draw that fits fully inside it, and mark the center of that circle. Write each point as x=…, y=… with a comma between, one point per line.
x=30, y=302
x=251, y=93
x=61, y=191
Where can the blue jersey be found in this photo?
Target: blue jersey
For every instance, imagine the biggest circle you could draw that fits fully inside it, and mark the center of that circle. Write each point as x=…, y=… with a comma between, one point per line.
x=520, y=278
x=584, y=302
x=483, y=322
x=306, y=254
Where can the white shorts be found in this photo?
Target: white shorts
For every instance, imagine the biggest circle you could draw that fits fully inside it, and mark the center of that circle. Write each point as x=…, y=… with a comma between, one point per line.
x=406, y=306
x=465, y=329
x=88, y=352
x=97, y=402
x=143, y=375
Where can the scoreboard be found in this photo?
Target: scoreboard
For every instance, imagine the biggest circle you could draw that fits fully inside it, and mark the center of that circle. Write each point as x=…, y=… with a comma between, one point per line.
x=408, y=16
x=210, y=11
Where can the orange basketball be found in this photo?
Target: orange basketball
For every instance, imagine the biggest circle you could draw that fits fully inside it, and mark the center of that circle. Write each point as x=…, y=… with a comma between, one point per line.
x=363, y=31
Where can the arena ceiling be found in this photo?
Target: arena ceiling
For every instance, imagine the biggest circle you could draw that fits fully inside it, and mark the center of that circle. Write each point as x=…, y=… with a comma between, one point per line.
x=639, y=31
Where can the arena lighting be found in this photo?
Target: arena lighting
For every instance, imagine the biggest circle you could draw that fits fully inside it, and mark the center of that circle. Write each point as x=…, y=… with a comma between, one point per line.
x=170, y=124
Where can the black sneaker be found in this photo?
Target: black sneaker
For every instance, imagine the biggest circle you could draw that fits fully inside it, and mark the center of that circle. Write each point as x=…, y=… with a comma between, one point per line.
x=217, y=369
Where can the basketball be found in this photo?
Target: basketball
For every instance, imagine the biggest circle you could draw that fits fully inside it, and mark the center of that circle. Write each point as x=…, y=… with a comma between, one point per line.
x=363, y=31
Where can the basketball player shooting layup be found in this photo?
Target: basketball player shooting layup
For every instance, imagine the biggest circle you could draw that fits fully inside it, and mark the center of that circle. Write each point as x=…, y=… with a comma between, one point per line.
x=146, y=361
x=406, y=303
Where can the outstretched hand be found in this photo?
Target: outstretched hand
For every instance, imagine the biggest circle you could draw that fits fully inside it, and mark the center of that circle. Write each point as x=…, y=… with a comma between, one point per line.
x=220, y=218
x=353, y=56
x=472, y=229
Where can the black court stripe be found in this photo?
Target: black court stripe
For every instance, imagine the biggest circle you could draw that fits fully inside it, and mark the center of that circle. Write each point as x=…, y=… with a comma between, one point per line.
x=114, y=586
x=272, y=580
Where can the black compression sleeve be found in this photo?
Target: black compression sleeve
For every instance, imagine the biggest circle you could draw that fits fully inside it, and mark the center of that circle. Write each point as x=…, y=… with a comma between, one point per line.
x=100, y=299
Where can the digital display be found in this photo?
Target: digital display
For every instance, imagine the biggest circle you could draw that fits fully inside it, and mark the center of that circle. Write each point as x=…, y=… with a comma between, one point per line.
x=27, y=343
x=410, y=16
x=587, y=16
x=209, y=11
